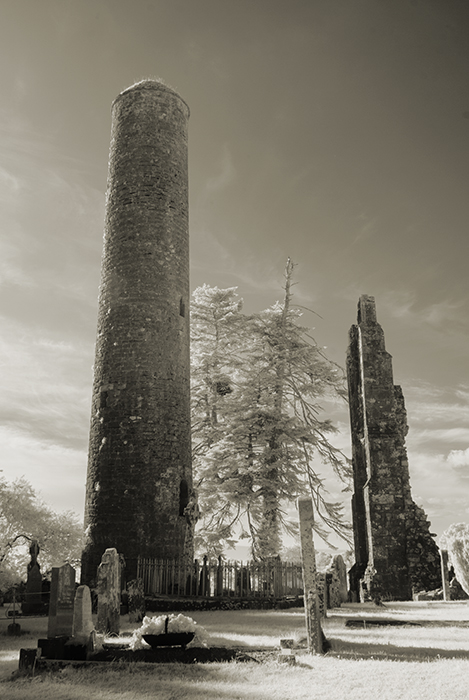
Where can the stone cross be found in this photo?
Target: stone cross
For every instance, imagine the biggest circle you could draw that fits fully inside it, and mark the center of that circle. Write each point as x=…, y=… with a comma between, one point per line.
x=82, y=616
x=308, y=561
x=33, y=602
x=62, y=595
x=109, y=592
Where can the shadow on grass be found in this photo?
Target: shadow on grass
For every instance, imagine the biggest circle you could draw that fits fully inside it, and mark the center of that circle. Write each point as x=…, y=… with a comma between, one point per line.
x=391, y=652
x=130, y=681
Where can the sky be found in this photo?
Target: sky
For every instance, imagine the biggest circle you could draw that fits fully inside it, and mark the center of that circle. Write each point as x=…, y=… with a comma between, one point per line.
x=334, y=132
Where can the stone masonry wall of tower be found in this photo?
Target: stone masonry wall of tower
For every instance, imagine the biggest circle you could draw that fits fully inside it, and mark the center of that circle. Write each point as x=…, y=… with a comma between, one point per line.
x=140, y=442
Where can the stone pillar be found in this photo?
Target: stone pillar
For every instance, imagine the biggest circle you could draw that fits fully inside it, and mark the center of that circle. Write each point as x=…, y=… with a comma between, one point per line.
x=62, y=596
x=109, y=593
x=444, y=574
x=310, y=579
x=139, y=468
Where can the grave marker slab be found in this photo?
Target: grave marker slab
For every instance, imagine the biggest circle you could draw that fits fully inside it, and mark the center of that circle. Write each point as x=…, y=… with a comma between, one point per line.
x=62, y=596
x=109, y=593
x=82, y=616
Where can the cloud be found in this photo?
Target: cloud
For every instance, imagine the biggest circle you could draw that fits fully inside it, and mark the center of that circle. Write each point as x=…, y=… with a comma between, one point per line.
x=459, y=462
x=51, y=221
x=439, y=316
x=9, y=184
x=46, y=386
x=437, y=417
x=57, y=473
x=225, y=176
x=451, y=435
x=437, y=488
x=367, y=230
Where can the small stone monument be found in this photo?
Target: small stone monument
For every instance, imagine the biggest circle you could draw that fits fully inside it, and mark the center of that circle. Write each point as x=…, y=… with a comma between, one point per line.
x=136, y=600
x=33, y=594
x=286, y=655
x=338, y=593
x=310, y=579
x=82, y=616
x=109, y=593
x=62, y=596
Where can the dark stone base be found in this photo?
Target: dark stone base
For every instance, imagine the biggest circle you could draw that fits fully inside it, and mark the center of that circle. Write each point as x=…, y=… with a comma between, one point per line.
x=167, y=604
x=56, y=653
x=164, y=655
x=62, y=648
x=373, y=622
x=34, y=609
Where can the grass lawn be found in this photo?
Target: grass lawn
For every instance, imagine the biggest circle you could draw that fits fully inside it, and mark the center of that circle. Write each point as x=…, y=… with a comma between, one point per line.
x=428, y=660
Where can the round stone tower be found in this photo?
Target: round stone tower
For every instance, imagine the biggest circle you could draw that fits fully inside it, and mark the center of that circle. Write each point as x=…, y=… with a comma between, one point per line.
x=139, y=471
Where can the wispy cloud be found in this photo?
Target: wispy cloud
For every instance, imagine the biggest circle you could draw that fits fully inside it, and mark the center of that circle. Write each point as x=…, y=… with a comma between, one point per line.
x=403, y=305
x=367, y=229
x=225, y=175
x=57, y=473
x=46, y=386
x=50, y=220
x=438, y=420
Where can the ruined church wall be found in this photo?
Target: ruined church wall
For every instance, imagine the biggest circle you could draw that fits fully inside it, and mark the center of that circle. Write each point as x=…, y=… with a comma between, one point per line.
x=400, y=552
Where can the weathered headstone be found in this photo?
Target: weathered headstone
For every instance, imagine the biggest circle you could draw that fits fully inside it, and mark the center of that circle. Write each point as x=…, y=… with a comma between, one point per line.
x=62, y=595
x=308, y=560
x=109, y=593
x=82, y=616
x=338, y=589
x=286, y=655
x=33, y=594
x=136, y=600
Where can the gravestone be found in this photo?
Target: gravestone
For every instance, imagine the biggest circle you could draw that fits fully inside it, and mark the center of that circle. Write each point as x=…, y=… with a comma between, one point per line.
x=82, y=616
x=33, y=594
x=338, y=593
x=109, y=592
x=136, y=600
x=62, y=596
x=310, y=576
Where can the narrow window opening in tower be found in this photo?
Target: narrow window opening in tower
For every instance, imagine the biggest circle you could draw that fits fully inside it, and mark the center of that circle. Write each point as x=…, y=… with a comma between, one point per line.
x=183, y=496
x=182, y=308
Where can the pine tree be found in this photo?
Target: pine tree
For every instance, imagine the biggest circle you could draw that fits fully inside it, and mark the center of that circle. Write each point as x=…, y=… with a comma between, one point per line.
x=255, y=451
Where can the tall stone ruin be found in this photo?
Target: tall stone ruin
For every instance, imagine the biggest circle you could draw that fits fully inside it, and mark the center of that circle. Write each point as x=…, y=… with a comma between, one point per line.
x=395, y=554
x=139, y=470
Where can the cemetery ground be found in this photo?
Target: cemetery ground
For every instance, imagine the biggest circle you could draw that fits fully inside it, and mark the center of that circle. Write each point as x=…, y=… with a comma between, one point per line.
x=426, y=657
